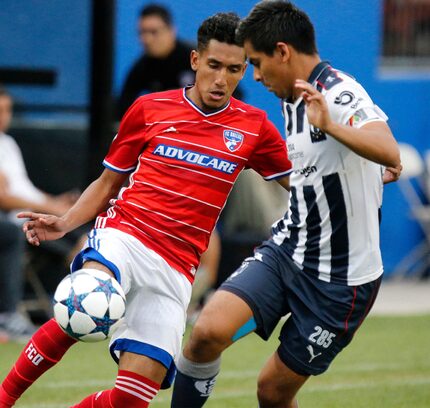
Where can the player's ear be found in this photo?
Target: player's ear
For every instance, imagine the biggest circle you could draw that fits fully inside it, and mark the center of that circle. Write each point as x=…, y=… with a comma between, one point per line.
x=283, y=50
x=194, y=59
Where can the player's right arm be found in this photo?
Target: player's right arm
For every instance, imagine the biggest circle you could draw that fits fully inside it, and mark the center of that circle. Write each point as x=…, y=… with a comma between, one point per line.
x=372, y=139
x=95, y=199
x=121, y=159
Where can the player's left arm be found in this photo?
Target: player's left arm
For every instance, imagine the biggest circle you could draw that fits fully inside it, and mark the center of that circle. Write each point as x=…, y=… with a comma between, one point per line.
x=270, y=156
x=373, y=141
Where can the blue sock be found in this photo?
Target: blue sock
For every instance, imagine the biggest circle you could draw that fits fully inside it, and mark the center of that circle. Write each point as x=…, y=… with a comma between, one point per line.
x=194, y=383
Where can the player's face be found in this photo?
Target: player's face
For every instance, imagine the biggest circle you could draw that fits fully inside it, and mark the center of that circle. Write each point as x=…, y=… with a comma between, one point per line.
x=219, y=68
x=5, y=112
x=156, y=36
x=270, y=70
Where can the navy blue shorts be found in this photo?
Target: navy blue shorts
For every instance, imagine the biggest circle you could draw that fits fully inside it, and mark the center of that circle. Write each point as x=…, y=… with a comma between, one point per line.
x=324, y=316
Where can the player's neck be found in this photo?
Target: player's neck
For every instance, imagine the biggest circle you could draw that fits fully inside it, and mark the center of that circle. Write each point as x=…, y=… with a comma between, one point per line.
x=306, y=64
x=194, y=96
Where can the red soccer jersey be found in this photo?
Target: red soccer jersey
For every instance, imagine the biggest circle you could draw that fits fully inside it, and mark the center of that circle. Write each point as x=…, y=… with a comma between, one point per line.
x=184, y=163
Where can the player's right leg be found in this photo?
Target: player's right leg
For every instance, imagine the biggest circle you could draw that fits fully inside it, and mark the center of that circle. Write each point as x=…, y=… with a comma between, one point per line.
x=43, y=351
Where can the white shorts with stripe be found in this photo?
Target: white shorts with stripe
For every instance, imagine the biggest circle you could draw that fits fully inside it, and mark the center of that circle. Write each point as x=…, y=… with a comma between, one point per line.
x=157, y=295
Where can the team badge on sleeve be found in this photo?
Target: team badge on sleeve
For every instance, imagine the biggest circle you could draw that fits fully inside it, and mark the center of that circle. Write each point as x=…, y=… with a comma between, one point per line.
x=233, y=140
x=344, y=98
x=366, y=115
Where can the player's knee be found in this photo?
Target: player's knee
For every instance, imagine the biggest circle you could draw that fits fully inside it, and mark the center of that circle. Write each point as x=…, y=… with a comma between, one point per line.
x=270, y=395
x=208, y=337
x=266, y=396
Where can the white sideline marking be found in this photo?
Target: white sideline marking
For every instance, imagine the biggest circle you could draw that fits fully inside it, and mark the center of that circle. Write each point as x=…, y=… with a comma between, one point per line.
x=245, y=374
x=310, y=389
x=161, y=399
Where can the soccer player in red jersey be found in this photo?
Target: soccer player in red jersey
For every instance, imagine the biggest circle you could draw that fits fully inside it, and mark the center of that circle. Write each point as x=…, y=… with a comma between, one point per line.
x=181, y=151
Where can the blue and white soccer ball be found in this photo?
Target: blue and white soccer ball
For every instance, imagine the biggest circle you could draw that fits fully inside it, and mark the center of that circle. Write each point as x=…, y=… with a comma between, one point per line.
x=89, y=305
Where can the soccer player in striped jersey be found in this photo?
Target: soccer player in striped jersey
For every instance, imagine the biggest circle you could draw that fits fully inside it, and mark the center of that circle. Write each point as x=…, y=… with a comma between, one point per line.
x=322, y=264
x=181, y=151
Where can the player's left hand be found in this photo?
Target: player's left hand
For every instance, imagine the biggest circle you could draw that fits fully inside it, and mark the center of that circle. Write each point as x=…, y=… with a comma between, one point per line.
x=317, y=109
x=392, y=174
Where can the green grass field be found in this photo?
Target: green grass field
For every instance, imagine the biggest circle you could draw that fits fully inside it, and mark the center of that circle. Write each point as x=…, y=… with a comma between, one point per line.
x=387, y=365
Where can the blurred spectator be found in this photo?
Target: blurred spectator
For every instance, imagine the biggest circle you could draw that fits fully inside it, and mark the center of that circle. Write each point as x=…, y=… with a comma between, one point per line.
x=252, y=207
x=206, y=277
x=165, y=63
x=17, y=192
x=13, y=324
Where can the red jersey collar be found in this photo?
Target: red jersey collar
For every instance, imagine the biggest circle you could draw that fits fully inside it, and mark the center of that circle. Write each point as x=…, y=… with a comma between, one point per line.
x=195, y=107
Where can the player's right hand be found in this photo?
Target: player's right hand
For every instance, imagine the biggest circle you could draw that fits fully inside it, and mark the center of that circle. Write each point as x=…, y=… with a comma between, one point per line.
x=42, y=227
x=392, y=174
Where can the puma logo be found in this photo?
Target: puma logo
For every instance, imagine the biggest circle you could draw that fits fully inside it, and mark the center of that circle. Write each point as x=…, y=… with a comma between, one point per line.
x=311, y=352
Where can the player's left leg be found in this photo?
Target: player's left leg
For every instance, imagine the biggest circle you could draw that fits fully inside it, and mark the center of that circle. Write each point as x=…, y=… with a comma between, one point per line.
x=138, y=382
x=324, y=318
x=217, y=327
x=252, y=299
x=278, y=385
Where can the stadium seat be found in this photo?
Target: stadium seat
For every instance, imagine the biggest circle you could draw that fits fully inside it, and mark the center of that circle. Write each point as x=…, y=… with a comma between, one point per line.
x=413, y=185
x=44, y=268
x=40, y=301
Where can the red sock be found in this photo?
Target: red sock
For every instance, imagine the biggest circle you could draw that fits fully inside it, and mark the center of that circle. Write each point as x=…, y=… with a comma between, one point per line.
x=131, y=390
x=43, y=351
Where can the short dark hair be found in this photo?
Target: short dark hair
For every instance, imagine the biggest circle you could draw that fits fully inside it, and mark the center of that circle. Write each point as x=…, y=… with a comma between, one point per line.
x=221, y=27
x=272, y=21
x=154, y=9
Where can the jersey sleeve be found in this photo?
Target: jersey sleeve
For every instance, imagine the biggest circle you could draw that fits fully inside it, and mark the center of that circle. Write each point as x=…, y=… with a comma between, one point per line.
x=270, y=158
x=129, y=142
x=349, y=104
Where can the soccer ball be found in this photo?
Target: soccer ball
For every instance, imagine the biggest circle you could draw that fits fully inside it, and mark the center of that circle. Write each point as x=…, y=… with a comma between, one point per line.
x=89, y=305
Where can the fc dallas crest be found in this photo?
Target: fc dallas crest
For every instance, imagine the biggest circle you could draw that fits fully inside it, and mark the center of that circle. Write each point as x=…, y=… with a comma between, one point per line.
x=233, y=140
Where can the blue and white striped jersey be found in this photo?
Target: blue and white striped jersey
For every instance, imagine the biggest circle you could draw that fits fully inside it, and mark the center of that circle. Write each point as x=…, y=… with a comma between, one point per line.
x=331, y=228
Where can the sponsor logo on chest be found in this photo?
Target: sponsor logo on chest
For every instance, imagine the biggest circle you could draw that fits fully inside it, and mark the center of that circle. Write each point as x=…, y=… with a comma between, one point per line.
x=197, y=158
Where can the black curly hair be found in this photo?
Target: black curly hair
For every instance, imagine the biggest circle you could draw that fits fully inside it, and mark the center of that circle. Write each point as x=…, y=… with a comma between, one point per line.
x=221, y=27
